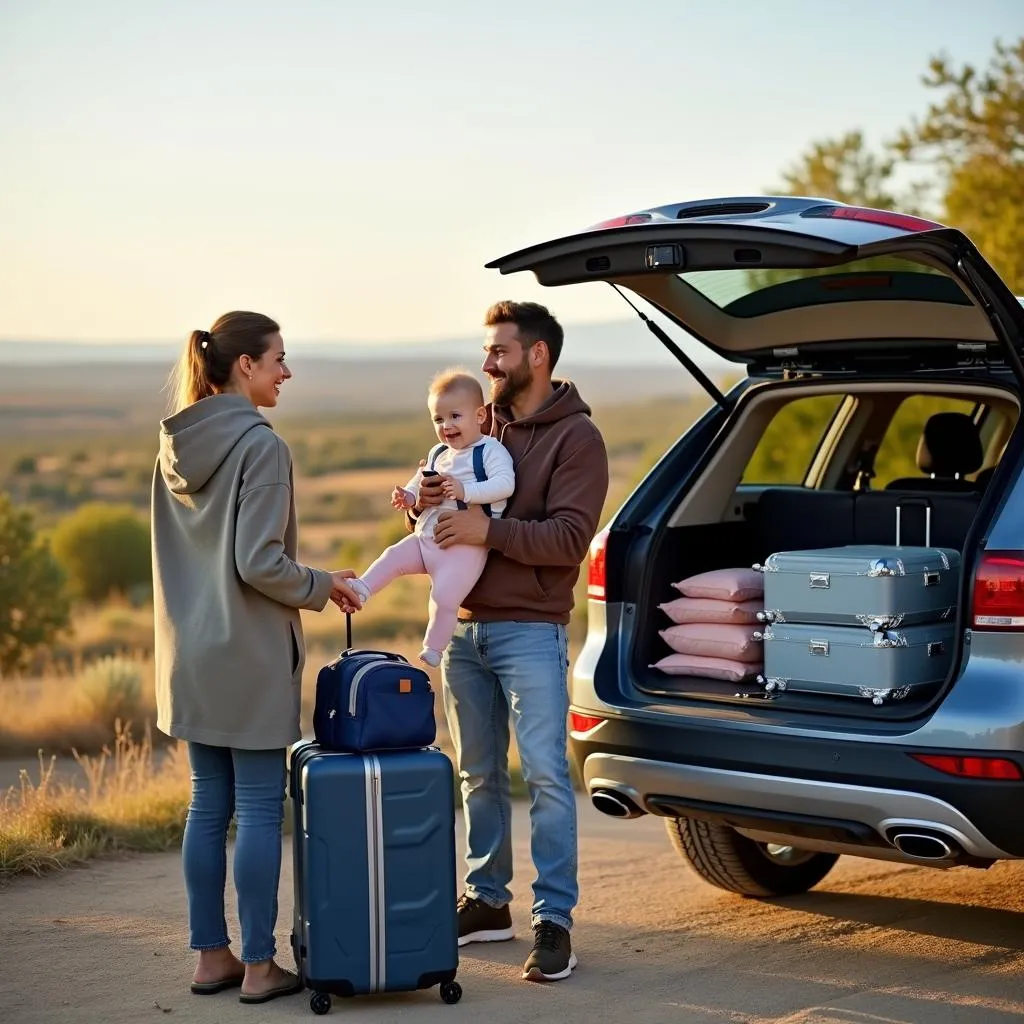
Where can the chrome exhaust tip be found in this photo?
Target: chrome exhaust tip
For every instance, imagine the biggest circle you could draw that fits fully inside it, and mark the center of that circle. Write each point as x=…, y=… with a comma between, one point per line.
x=615, y=805
x=922, y=846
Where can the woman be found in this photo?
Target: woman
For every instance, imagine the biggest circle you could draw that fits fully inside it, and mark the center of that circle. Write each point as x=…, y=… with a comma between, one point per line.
x=229, y=648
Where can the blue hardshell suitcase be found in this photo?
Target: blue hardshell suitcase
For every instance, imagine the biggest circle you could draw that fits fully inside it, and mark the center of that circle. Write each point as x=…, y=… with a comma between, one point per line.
x=374, y=872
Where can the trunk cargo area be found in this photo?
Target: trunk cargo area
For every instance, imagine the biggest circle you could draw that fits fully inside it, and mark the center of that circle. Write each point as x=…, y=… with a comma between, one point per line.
x=787, y=519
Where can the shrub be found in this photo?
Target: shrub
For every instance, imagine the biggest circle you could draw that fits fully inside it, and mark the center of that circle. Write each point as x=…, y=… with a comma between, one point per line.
x=34, y=608
x=349, y=554
x=111, y=688
x=105, y=549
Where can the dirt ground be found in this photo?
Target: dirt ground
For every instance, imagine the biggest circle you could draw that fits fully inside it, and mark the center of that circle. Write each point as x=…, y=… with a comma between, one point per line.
x=874, y=944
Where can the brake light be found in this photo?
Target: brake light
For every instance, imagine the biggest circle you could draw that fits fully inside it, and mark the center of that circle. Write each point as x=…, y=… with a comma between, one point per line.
x=596, y=570
x=622, y=222
x=583, y=723
x=902, y=221
x=972, y=767
x=999, y=591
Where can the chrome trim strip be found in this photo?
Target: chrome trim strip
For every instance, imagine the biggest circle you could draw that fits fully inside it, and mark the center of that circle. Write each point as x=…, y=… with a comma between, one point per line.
x=370, y=797
x=381, y=904
x=640, y=779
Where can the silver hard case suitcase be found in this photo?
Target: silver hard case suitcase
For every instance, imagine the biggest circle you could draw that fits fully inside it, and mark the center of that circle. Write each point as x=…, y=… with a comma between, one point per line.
x=868, y=585
x=851, y=661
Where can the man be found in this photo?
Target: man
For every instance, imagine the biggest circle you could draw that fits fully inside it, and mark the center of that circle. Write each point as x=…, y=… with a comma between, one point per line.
x=509, y=653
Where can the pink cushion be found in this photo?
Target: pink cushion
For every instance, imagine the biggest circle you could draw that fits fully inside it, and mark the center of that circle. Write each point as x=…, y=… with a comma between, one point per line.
x=714, y=640
x=707, y=668
x=707, y=609
x=723, y=585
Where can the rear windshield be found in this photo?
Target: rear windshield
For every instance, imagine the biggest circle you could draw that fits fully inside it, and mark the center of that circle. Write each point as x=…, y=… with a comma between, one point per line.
x=748, y=293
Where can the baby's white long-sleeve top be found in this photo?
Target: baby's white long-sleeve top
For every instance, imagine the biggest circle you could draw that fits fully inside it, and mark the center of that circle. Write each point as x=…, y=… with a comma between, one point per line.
x=494, y=491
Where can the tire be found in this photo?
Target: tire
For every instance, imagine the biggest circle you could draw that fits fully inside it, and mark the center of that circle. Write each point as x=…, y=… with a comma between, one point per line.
x=721, y=856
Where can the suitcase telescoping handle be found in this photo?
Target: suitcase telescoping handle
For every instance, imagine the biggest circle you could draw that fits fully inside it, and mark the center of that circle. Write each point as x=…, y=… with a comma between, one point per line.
x=927, y=505
x=348, y=642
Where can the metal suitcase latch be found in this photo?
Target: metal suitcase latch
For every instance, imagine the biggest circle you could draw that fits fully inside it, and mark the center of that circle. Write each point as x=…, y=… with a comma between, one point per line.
x=932, y=579
x=818, y=647
x=819, y=581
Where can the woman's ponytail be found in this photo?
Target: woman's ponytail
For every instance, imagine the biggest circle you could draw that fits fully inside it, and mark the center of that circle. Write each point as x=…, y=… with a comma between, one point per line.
x=205, y=366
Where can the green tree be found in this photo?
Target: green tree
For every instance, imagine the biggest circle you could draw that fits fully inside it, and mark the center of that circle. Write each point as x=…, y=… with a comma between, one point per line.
x=34, y=607
x=973, y=137
x=845, y=169
x=105, y=549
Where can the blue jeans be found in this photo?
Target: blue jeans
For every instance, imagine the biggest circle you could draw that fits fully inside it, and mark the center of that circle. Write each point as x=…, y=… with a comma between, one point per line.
x=249, y=784
x=494, y=671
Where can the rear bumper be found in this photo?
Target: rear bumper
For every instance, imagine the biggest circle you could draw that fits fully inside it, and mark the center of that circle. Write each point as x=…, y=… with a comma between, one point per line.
x=648, y=783
x=862, y=784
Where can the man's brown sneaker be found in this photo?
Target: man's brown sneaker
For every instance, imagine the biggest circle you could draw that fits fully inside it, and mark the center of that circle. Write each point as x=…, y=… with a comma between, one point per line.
x=552, y=957
x=479, y=922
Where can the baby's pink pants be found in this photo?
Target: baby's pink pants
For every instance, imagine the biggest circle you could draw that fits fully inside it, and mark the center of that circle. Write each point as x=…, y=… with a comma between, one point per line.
x=452, y=574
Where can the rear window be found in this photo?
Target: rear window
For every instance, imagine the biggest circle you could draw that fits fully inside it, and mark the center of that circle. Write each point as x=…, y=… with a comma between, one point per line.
x=750, y=293
x=789, y=444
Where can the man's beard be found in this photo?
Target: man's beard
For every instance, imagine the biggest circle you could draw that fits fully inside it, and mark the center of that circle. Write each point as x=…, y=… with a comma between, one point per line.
x=505, y=390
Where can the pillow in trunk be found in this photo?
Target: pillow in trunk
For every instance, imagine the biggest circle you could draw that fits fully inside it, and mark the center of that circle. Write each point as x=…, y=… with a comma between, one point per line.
x=715, y=640
x=708, y=668
x=707, y=609
x=723, y=585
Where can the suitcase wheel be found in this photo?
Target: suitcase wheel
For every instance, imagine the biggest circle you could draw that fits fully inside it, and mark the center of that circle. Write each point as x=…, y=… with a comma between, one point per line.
x=320, y=1003
x=451, y=992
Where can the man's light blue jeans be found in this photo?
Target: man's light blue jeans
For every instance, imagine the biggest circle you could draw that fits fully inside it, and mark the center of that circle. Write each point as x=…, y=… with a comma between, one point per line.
x=494, y=671
x=250, y=785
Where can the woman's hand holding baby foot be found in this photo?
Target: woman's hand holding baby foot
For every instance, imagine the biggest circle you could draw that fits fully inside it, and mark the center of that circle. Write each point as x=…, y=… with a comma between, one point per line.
x=453, y=489
x=342, y=593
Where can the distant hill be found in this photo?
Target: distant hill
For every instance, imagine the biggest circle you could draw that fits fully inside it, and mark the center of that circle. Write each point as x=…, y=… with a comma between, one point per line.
x=46, y=385
x=619, y=343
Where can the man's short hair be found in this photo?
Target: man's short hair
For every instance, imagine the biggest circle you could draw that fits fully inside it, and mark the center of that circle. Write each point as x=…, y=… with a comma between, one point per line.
x=457, y=380
x=533, y=323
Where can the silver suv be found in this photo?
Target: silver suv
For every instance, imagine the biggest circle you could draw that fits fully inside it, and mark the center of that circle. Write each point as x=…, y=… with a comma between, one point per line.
x=880, y=356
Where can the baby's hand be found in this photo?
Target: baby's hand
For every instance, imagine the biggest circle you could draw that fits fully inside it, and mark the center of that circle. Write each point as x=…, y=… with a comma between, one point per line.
x=401, y=498
x=453, y=489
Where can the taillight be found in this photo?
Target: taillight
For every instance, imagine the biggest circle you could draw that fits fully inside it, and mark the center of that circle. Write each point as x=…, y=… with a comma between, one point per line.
x=999, y=591
x=902, y=221
x=596, y=570
x=583, y=723
x=621, y=222
x=972, y=767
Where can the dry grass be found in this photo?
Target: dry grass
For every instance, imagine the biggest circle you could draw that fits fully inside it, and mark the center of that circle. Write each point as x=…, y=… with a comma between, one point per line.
x=131, y=800
x=55, y=714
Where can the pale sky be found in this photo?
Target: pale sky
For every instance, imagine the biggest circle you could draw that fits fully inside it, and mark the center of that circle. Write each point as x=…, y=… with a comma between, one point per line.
x=348, y=167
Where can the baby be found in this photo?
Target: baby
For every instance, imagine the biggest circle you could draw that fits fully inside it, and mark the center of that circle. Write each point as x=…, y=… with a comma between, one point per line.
x=474, y=470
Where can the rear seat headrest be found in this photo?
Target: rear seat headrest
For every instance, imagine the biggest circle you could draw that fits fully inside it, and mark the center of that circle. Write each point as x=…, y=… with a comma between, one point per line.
x=949, y=446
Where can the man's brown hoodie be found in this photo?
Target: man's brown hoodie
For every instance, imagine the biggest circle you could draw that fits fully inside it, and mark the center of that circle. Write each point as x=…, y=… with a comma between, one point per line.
x=538, y=545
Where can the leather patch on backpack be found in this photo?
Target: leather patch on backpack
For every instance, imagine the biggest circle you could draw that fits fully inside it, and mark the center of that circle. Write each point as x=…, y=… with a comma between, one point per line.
x=405, y=686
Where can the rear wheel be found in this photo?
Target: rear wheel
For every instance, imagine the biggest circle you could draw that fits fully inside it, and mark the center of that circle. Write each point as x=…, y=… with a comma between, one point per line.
x=721, y=856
